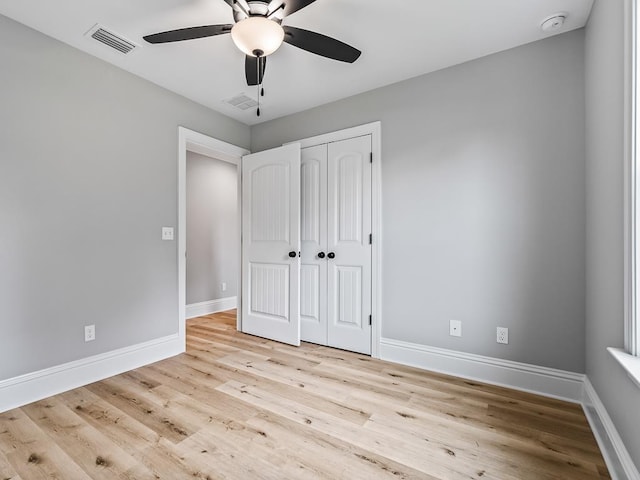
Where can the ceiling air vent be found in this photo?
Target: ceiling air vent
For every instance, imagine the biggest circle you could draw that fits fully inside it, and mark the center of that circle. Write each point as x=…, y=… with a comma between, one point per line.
x=110, y=39
x=242, y=102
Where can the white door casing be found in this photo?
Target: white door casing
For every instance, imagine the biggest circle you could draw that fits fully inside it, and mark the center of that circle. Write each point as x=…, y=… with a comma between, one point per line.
x=271, y=243
x=348, y=246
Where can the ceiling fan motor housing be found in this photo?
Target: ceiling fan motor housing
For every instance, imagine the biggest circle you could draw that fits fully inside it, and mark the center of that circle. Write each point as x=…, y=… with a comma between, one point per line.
x=259, y=8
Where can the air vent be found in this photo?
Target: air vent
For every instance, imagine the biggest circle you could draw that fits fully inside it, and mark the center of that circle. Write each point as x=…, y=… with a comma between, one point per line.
x=110, y=39
x=242, y=102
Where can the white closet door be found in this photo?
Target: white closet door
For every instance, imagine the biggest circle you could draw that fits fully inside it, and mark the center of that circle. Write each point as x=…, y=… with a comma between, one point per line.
x=313, y=237
x=270, y=244
x=349, y=251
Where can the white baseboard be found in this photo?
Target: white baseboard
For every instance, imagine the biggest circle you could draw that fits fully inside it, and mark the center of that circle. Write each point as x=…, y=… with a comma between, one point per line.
x=545, y=381
x=619, y=462
x=24, y=389
x=212, y=306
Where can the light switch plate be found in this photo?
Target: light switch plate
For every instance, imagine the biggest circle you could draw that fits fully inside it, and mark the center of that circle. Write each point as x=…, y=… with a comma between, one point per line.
x=167, y=233
x=455, y=328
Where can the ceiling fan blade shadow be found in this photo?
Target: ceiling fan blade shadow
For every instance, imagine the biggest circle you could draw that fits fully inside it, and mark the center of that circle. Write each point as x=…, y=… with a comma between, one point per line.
x=320, y=44
x=252, y=72
x=189, y=33
x=292, y=6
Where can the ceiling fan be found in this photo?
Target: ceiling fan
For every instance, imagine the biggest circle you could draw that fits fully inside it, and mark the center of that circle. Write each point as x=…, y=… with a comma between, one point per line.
x=258, y=32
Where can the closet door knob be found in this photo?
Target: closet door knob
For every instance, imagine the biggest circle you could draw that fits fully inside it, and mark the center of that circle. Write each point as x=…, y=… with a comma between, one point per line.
x=321, y=255
x=331, y=255
x=292, y=254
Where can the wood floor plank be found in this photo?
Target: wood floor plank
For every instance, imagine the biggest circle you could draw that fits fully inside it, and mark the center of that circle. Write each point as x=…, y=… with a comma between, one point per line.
x=134, y=404
x=31, y=453
x=451, y=388
x=323, y=382
x=483, y=447
x=330, y=457
x=7, y=472
x=128, y=434
x=457, y=415
x=203, y=389
x=420, y=456
x=235, y=406
x=87, y=446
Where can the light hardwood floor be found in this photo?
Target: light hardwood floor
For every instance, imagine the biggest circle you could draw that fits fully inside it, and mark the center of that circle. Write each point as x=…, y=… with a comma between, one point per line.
x=241, y=407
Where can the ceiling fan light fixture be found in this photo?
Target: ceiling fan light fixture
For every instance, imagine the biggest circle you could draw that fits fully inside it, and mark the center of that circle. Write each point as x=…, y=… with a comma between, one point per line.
x=257, y=36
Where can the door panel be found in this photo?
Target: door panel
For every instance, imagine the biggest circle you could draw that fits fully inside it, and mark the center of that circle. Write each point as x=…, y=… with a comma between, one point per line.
x=313, y=162
x=349, y=226
x=309, y=297
x=270, y=226
x=349, y=202
x=270, y=291
x=349, y=286
x=313, y=273
x=271, y=203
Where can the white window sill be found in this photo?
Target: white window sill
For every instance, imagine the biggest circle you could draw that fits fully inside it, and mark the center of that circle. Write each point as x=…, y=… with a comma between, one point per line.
x=630, y=363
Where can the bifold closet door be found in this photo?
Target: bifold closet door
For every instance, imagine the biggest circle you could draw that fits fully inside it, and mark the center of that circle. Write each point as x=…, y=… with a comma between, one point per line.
x=349, y=250
x=271, y=244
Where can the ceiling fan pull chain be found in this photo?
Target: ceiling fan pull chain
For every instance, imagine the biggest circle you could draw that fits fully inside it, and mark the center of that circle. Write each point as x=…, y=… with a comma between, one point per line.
x=258, y=81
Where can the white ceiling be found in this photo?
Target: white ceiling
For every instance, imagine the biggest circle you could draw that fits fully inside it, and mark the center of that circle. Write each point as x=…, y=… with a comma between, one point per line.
x=399, y=40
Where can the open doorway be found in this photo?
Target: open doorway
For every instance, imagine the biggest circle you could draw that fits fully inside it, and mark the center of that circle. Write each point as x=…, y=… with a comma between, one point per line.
x=189, y=143
x=213, y=248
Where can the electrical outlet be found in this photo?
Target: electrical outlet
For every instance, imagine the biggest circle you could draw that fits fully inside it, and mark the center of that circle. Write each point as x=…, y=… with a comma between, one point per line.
x=455, y=328
x=502, y=335
x=89, y=333
x=223, y=286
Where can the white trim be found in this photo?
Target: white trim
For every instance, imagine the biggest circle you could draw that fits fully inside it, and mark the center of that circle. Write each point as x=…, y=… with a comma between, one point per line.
x=189, y=140
x=549, y=382
x=375, y=130
x=631, y=334
x=337, y=136
x=629, y=362
x=212, y=306
x=24, y=389
x=239, y=233
x=611, y=445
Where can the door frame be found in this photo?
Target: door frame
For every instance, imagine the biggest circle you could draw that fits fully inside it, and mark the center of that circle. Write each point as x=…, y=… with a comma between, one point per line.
x=192, y=141
x=375, y=130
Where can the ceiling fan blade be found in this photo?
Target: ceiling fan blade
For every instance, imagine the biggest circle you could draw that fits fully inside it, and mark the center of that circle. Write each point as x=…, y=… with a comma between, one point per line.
x=292, y=6
x=252, y=73
x=320, y=44
x=188, y=33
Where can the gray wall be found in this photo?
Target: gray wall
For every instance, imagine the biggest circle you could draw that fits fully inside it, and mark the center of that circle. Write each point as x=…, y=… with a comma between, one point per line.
x=88, y=176
x=213, y=246
x=604, y=47
x=483, y=200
